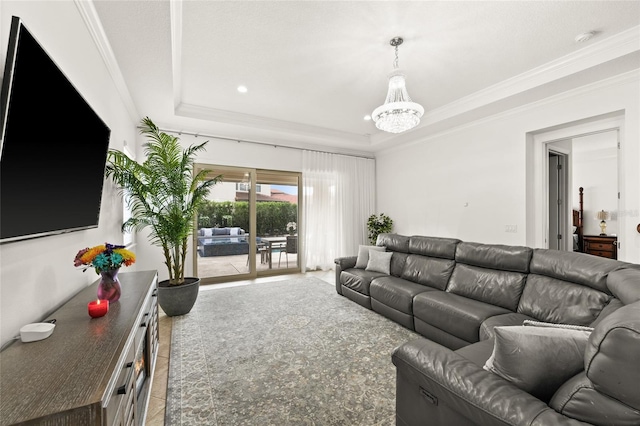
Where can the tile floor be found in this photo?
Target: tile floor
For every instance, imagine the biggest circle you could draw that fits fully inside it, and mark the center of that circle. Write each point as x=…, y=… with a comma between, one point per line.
x=155, y=411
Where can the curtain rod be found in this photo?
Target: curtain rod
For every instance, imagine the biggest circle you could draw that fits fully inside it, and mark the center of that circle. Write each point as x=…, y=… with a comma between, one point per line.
x=182, y=132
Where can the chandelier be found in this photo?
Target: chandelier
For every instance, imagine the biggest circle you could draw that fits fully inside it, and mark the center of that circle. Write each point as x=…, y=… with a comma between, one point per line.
x=399, y=113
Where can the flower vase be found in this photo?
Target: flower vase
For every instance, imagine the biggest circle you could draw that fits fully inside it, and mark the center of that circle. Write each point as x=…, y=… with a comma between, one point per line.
x=109, y=286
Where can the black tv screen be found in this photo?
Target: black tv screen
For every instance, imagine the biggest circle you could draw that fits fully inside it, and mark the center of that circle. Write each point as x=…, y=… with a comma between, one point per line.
x=53, y=147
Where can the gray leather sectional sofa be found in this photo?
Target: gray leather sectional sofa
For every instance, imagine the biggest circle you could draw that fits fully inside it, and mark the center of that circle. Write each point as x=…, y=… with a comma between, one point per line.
x=458, y=295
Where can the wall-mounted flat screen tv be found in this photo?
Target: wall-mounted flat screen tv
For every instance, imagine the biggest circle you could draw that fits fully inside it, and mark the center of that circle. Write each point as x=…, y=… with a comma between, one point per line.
x=53, y=146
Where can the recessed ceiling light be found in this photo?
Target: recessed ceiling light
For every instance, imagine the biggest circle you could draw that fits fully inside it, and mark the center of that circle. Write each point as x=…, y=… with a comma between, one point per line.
x=367, y=117
x=242, y=89
x=581, y=38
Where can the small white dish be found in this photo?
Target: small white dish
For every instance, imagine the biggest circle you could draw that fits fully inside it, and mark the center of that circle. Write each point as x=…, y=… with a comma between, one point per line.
x=36, y=331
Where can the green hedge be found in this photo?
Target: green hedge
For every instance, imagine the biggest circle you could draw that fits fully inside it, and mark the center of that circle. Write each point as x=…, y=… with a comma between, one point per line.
x=272, y=217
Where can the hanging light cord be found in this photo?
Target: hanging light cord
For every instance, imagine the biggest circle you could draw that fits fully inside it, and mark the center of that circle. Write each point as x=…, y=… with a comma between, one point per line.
x=395, y=62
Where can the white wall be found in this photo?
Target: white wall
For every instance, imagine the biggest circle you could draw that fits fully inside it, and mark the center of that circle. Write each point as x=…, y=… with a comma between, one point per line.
x=469, y=183
x=37, y=276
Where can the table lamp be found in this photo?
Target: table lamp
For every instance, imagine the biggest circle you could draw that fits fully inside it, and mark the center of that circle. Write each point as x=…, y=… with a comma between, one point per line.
x=602, y=216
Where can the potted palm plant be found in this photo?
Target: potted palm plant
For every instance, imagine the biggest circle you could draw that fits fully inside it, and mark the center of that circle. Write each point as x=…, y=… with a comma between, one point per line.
x=164, y=195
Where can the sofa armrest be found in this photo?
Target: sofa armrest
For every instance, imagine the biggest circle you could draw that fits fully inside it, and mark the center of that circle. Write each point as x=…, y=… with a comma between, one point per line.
x=343, y=263
x=437, y=386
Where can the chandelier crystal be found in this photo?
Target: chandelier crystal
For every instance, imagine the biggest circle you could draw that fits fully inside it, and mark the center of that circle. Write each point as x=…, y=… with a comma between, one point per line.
x=398, y=113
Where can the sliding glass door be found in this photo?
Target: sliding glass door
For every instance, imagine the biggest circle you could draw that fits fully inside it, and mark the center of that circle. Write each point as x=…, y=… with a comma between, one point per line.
x=249, y=226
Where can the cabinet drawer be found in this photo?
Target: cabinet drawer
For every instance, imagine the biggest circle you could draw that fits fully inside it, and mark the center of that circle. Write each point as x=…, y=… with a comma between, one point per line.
x=600, y=246
x=114, y=405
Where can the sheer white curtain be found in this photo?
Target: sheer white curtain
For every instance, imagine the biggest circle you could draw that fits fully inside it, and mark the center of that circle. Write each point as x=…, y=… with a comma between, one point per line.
x=338, y=198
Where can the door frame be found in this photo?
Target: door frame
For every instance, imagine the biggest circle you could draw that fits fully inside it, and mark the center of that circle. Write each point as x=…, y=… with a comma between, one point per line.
x=253, y=273
x=537, y=172
x=563, y=191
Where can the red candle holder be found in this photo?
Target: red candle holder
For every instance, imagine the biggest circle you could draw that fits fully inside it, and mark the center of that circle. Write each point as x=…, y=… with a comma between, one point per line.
x=98, y=308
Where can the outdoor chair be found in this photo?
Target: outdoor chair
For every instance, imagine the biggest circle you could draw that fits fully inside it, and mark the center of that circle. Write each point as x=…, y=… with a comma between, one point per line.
x=291, y=246
x=262, y=249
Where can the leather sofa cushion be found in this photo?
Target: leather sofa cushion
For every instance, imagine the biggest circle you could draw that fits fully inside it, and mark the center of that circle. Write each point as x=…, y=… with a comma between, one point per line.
x=358, y=279
x=394, y=242
x=455, y=314
x=501, y=288
x=495, y=256
x=478, y=353
x=613, y=306
x=429, y=271
x=623, y=283
x=612, y=357
x=513, y=318
x=398, y=261
x=578, y=399
x=590, y=271
x=345, y=263
x=444, y=248
x=396, y=293
x=553, y=300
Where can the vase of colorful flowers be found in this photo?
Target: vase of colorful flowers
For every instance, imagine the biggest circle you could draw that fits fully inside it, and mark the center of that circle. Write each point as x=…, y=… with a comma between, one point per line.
x=106, y=259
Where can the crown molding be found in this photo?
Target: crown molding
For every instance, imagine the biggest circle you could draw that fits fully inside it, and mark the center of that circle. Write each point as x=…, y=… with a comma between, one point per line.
x=621, y=79
x=275, y=143
x=613, y=47
x=93, y=24
x=257, y=122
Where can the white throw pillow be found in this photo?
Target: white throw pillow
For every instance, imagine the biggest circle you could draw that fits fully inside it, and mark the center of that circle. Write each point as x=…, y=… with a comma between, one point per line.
x=208, y=232
x=234, y=231
x=363, y=255
x=538, y=358
x=380, y=261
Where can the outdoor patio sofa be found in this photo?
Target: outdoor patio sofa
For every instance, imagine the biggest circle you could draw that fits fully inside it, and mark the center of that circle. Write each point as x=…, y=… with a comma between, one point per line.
x=222, y=241
x=512, y=335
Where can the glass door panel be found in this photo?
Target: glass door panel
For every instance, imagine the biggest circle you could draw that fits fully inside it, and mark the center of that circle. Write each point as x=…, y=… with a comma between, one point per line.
x=223, y=236
x=277, y=219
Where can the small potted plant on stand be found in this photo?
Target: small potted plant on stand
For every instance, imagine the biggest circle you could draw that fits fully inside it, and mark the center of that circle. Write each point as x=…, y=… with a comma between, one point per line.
x=378, y=225
x=291, y=228
x=164, y=195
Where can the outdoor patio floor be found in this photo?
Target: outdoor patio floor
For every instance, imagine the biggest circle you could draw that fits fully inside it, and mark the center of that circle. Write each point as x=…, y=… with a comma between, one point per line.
x=219, y=266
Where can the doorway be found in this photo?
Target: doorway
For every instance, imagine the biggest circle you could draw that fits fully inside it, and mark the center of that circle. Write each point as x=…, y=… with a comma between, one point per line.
x=593, y=150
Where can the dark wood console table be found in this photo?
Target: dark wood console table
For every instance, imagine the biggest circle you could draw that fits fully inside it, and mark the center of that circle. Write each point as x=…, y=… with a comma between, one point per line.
x=89, y=371
x=601, y=245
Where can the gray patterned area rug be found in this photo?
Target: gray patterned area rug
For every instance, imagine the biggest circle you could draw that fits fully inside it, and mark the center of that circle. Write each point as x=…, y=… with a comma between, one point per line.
x=282, y=353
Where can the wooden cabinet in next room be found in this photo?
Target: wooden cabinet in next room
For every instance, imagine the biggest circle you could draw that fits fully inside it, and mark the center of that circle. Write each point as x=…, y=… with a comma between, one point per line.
x=601, y=245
